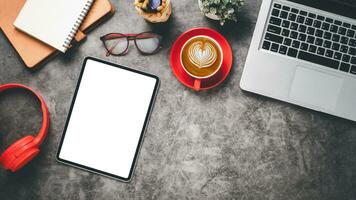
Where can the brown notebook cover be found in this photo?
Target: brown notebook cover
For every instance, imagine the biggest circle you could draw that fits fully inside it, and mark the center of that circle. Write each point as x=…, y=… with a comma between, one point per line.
x=33, y=51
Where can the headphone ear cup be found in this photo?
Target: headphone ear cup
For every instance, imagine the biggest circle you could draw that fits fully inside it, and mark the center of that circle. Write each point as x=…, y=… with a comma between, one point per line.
x=19, y=153
x=24, y=158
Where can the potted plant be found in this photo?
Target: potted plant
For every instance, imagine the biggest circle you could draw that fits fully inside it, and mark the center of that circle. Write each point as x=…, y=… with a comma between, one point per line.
x=154, y=11
x=222, y=10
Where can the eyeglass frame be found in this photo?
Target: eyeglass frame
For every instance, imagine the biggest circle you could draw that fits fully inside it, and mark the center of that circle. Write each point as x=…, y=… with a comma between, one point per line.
x=128, y=38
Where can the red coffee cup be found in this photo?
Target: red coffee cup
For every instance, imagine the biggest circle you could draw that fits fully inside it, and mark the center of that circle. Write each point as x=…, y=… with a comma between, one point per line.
x=194, y=82
x=199, y=79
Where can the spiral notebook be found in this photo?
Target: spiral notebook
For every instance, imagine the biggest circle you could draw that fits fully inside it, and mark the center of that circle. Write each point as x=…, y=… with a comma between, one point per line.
x=54, y=22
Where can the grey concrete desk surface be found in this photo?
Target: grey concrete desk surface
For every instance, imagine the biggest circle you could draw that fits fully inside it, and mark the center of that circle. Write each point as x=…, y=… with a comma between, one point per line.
x=219, y=144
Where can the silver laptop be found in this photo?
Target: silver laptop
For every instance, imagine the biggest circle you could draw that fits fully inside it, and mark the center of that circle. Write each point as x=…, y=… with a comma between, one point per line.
x=304, y=52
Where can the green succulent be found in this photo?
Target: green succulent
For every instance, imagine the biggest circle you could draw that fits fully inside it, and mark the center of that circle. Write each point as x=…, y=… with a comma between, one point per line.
x=224, y=9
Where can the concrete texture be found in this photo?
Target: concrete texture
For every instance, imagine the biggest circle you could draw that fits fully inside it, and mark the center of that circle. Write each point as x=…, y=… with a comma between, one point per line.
x=220, y=144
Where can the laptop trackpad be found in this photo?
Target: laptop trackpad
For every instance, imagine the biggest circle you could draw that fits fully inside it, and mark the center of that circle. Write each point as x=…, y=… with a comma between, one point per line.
x=315, y=88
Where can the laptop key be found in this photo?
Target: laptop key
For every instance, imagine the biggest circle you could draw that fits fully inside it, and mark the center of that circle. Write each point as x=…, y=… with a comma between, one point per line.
x=319, y=33
x=336, y=38
x=274, y=29
x=327, y=35
x=327, y=44
x=329, y=20
x=285, y=24
x=337, y=56
x=283, y=15
x=287, y=42
x=346, y=58
x=335, y=46
x=283, y=50
x=275, y=12
x=292, y=17
x=304, y=46
x=342, y=31
x=276, y=5
x=310, y=39
x=300, y=19
x=321, y=18
x=274, y=38
x=312, y=15
x=311, y=31
x=345, y=67
x=352, y=42
x=275, y=21
x=274, y=47
x=346, y=25
x=320, y=51
x=352, y=51
x=286, y=8
x=350, y=33
x=333, y=28
x=319, y=41
x=302, y=28
x=325, y=26
x=337, y=22
x=296, y=11
x=292, y=52
x=294, y=35
x=285, y=32
x=317, y=24
x=329, y=53
x=344, y=48
x=295, y=44
x=344, y=40
x=353, y=60
x=266, y=45
x=312, y=48
x=321, y=60
x=294, y=26
x=353, y=69
x=309, y=21
x=303, y=13
x=302, y=37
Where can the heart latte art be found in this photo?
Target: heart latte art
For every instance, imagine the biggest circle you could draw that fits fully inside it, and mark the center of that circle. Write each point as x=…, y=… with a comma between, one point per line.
x=202, y=54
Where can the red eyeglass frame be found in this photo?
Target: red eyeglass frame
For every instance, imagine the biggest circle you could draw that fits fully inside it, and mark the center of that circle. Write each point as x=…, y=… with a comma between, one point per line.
x=129, y=37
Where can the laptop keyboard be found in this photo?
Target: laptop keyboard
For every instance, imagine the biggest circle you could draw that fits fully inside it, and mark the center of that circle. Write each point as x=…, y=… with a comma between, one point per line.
x=311, y=37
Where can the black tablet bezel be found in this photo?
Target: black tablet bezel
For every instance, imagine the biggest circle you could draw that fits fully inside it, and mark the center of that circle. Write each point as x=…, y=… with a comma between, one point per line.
x=140, y=142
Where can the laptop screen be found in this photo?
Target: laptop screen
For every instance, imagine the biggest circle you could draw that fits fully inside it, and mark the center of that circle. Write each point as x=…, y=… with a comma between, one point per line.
x=345, y=2
x=345, y=8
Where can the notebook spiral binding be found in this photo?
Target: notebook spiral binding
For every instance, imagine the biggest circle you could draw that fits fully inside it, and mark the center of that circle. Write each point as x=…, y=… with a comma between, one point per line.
x=77, y=23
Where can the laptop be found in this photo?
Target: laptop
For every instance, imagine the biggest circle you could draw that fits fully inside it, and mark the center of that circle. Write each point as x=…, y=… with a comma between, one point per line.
x=304, y=52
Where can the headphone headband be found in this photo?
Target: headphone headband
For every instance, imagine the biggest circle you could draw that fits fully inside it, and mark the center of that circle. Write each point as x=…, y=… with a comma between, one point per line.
x=45, y=114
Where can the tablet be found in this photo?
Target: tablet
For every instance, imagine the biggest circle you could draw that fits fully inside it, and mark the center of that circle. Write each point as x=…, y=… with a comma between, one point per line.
x=107, y=119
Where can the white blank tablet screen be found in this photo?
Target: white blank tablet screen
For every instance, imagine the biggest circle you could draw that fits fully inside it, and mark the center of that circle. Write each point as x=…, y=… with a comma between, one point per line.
x=107, y=118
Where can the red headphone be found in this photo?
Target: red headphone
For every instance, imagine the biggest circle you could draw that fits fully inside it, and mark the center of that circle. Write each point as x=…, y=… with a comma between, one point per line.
x=25, y=149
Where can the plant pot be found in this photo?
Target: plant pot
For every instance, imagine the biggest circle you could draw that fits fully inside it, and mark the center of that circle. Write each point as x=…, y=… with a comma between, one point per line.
x=208, y=15
x=157, y=17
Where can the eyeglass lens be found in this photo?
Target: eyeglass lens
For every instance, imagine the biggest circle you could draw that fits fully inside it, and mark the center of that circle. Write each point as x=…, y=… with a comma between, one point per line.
x=148, y=42
x=116, y=44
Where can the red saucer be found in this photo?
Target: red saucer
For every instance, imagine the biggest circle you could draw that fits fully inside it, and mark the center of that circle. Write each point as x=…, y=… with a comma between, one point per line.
x=183, y=76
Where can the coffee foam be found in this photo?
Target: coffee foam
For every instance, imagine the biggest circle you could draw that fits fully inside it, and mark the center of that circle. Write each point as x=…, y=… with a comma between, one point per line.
x=202, y=54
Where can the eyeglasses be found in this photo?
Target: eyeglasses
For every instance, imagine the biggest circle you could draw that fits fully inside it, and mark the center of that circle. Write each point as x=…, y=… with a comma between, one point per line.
x=117, y=44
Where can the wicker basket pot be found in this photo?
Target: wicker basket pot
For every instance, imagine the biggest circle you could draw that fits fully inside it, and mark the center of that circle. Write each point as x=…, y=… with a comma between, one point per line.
x=157, y=17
